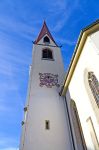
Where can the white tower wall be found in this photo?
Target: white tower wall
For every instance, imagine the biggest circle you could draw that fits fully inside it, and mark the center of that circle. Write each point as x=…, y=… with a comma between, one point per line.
x=44, y=103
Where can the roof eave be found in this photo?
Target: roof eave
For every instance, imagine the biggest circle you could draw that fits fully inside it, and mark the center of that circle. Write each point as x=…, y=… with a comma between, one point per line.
x=78, y=49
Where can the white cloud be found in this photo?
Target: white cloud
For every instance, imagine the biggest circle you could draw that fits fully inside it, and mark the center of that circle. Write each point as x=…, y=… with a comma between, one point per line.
x=58, y=5
x=20, y=28
x=3, y=108
x=65, y=11
x=10, y=148
x=6, y=68
x=7, y=141
x=66, y=41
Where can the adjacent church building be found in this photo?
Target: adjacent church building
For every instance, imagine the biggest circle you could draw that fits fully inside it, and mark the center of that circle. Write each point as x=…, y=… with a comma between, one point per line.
x=62, y=109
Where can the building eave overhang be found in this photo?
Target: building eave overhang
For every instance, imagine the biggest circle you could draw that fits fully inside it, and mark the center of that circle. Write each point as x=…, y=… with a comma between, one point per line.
x=94, y=27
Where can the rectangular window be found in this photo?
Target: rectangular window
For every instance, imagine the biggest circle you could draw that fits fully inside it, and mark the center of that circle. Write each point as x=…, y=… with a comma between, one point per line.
x=44, y=55
x=47, y=54
x=47, y=124
x=93, y=133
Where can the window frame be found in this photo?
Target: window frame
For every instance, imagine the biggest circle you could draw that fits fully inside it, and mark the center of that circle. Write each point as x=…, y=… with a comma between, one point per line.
x=47, y=58
x=92, y=133
x=92, y=100
x=47, y=124
x=94, y=85
x=77, y=128
x=46, y=41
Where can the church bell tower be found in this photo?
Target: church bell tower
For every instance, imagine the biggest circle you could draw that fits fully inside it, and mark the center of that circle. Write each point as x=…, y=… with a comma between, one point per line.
x=45, y=125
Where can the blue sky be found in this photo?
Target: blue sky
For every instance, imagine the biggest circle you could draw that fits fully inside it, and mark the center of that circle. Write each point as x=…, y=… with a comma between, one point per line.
x=20, y=23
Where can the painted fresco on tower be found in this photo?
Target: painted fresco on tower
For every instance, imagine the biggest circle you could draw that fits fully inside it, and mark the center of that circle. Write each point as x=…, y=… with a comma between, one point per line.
x=48, y=79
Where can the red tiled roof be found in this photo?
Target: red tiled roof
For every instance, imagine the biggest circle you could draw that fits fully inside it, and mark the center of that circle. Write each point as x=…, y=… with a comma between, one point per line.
x=44, y=31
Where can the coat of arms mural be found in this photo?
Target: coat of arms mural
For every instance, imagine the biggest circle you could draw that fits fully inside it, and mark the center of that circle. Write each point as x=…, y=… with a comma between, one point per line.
x=48, y=79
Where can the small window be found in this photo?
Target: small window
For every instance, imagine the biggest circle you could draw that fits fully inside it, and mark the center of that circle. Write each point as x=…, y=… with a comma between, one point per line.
x=46, y=40
x=47, y=124
x=93, y=133
x=94, y=86
x=47, y=54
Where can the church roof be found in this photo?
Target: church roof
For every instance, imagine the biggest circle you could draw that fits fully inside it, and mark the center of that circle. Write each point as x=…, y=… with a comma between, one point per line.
x=94, y=27
x=43, y=32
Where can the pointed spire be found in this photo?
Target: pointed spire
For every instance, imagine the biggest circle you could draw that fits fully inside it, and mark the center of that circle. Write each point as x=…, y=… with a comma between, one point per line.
x=44, y=31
